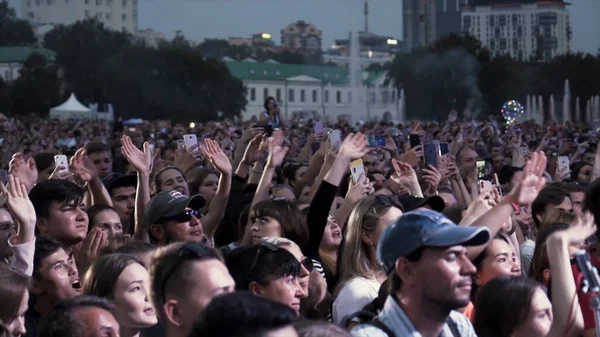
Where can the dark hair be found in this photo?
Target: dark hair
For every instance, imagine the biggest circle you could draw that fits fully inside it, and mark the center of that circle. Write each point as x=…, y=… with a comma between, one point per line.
x=540, y=260
x=503, y=305
x=164, y=280
x=43, y=160
x=13, y=285
x=261, y=265
x=95, y=210
x=44, y=247
x=507, y=172
x=101, y=278
x=196, y=178
x=293, y=223
x=243, y=221
x=549, y=195
x=573, y=187
x=44, y=194
x=136, y=247
x=96, y=147
x=158, y=182
x=266, y=103
x=576, y=167
x=395, y=281
x=478, y=261
x=62, y=321
x=311, y=328
x=242, y=315
x=592, y=200
x=290, y=170
x=454, y=213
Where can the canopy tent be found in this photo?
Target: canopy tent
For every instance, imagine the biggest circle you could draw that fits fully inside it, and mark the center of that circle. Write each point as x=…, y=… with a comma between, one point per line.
x=71, y=109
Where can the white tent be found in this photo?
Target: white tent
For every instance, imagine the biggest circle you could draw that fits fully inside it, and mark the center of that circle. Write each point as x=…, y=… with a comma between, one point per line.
x=71, y=109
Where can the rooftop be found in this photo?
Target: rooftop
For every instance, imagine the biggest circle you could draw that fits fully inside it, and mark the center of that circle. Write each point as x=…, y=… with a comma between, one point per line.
x=20, y=54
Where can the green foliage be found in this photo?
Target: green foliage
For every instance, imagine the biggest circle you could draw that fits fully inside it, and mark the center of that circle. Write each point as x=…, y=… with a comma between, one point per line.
x=36, y=88
x=13, y=31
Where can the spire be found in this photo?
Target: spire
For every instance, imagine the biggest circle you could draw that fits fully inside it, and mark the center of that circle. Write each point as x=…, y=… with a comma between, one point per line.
x=366, y=13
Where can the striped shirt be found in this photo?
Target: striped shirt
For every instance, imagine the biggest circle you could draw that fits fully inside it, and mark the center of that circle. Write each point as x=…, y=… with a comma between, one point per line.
x=396, y=320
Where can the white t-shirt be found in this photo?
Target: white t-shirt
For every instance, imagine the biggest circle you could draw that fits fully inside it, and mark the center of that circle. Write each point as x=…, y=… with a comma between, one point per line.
x=355, y=294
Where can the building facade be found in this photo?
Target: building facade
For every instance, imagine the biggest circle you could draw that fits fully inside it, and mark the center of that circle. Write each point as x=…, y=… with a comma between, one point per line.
x=374, y=49
x=524, y=31
x=12, y=59
x=301, y=36
x=316, y=90
x=119, y=15
x=425, y=21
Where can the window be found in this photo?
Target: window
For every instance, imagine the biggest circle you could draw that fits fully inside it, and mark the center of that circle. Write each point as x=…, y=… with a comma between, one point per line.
x=108, y=17
x=98, y=2
x=290, y=95
x=28, y=3
x=265, y=93
x=87, y=13
x=124, y=17
x=338, y=96
x=124, y=3
x=326, y=96
x=278, y=95
x=314, y=95
x=99, y=15
x=302, y=98
x=253, y=94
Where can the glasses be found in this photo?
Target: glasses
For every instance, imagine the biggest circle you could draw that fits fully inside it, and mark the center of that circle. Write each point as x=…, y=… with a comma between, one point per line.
x=264, y=247
x=189, y=251
x=182, y=217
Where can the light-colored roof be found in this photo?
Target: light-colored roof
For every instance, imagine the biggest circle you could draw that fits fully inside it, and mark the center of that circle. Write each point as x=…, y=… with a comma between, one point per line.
x=71, y=105
x=281, y=72
x=20, y=54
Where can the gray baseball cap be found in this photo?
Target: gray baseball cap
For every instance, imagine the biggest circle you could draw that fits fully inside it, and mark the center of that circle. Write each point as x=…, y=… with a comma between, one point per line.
x=167, y=204
x=424, y=228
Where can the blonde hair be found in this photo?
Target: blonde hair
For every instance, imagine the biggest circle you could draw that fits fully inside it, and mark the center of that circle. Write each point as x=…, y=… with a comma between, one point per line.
x=355, y=260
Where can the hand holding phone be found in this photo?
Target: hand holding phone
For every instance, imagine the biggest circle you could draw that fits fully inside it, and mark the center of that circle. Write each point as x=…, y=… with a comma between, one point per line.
x=356, y=169
x=318, y=128
x=62, y=161
x=335, y=137
x=191, y=143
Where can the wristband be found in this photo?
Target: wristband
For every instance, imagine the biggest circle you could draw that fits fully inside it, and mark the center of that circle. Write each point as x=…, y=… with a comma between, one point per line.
x=514, y=205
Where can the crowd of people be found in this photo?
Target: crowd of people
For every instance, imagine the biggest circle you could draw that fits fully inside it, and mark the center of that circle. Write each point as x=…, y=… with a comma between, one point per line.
x=266, y=228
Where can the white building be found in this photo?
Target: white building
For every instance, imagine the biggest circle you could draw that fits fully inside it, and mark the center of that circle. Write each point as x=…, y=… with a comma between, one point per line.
x=12, y=59
x=151, y=37
x=540, y=30
x=321, y=90
x=115, y=14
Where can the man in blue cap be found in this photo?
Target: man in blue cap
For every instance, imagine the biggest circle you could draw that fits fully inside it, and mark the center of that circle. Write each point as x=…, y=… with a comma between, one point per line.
x=424, y=255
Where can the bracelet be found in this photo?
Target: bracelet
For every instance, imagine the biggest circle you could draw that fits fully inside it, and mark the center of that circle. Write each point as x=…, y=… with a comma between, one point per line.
x=514, y=205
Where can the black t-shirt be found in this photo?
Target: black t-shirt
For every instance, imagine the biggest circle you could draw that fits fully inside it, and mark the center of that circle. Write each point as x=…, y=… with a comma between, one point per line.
x=32, y=320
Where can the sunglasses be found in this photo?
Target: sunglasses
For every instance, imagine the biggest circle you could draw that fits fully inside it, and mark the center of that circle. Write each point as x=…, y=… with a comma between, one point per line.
x=189, y=251
x=182, y=217
x=264, y=248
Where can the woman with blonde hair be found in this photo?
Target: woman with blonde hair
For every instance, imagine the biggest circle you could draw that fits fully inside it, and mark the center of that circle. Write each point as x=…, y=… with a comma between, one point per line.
x=360, y=274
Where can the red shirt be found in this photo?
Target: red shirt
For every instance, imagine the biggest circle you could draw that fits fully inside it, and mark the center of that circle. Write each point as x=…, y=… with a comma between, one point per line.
x=584, y=299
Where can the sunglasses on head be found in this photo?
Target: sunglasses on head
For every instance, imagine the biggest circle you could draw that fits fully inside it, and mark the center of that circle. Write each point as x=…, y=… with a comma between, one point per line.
x=189, y=251
x=264, y=248
x=182, y=217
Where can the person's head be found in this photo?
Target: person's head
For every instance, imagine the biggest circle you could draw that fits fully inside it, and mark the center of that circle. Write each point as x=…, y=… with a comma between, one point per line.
x=244, y=315
x=577, y=194
x=509, y=176
x=80, y=316
x=267, y=271
x=550, y=198
x=293, y=173
x=55, y=274
x=171, y=179
x=311, y=328
x=203, y=181
x=512, y=306
x=425, y=255
x=581, y=171
x=332, y=236
x=60, y=211
x=184, y=278
x=108, y=220
x=466, y=157
x=44, y=162
x=306, y=264
x=7, y=230
x=498, y=258
x=122, y=279
x=448, y=196
x=282, y=191
x=141, y=250
x=122, y=192
x=278, y=218
x=174, y=217
x=15, y=297
x=367, y=220
x=270, y=103
x=101, y=157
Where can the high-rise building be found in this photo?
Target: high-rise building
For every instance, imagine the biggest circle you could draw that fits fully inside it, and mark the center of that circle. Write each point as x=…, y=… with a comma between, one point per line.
x=525, y=30
x=301, y=36
x=115, y=14
x=425, y=21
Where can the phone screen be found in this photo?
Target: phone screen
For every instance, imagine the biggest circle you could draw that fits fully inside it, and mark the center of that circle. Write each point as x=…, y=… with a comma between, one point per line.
x=481, y=169
x=415, y=140
x=444, y=149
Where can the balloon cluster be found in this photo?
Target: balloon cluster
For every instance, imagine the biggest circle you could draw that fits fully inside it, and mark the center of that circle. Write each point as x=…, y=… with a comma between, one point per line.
x=511, y=110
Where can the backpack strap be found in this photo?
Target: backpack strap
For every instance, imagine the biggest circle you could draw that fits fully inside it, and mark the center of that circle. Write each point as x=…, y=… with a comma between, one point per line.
x=453, y=327
x=376, y=322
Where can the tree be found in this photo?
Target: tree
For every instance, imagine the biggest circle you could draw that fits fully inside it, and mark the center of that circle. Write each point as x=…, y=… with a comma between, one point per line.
x=4, y=102
x=13, y=31
x=36, y=89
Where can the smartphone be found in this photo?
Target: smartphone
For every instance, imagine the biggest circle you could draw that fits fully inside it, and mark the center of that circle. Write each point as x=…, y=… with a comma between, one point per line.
x=563, y=163
x=371, y=141
x=481, y=169
x=485, y=186
x=430, y=153
x=61, y=160
x=180, y=145
x=380, y=140
x=151, y=147
x=335, y=137
x=356, y=169
x=268, y=128
x=414, y=140
x=318, y=128
x=191, y=142
x=444, y=149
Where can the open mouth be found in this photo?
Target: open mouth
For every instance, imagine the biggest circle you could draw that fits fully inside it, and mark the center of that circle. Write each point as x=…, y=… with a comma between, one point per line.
x=76, y=284
x=149, y=311
x=336, y=234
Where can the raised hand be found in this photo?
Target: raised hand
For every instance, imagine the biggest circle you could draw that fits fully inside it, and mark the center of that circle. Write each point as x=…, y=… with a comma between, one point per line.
x=186, y=159
x=359, y=190
x=86, y=252
x=432, y=177
x=57, y=174
x=251, y=131
x=212, y=151
x=277, y=152
x=404, y=174
x=25, y=171
x=20, y=206
x=140, y=160
x=354, y=146
x=84, y=173
x=578, y=232
x=526, y=190
x=253, y=152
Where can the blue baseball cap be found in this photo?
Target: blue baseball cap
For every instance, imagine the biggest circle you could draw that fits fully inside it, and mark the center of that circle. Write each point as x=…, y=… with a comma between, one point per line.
x=424, y=228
